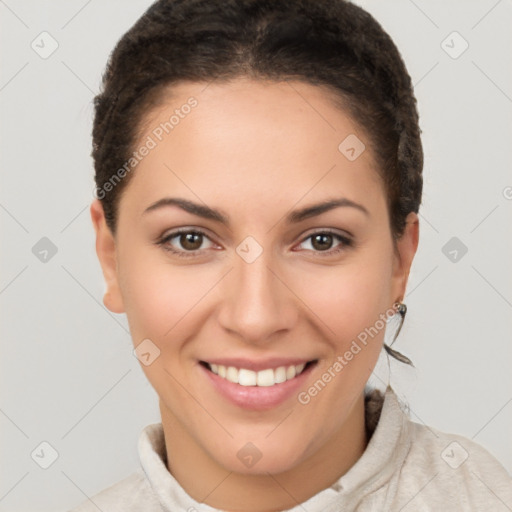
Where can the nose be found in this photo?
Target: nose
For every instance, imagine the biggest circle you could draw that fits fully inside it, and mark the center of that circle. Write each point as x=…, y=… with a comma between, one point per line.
x=257, y=303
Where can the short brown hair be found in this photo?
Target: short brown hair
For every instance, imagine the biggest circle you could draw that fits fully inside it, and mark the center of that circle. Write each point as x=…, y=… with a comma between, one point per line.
x=333, y=43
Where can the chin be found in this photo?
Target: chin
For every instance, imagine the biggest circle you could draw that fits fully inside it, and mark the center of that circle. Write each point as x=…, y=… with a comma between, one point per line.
x=251, y=460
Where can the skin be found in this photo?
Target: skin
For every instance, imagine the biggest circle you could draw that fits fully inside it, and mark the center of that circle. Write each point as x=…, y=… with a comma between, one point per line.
x=255, y=151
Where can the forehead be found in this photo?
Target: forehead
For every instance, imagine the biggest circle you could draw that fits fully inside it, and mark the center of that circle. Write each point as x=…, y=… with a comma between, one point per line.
x=272, y=140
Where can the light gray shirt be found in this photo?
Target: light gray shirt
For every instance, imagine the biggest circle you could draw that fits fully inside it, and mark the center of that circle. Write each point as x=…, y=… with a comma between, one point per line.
x=406, y=467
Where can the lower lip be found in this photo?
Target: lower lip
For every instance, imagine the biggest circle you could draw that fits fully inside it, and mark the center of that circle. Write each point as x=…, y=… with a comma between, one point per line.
x=258, y=398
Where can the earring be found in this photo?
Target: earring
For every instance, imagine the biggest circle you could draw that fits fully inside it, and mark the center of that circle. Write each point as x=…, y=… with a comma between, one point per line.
x=401, y=309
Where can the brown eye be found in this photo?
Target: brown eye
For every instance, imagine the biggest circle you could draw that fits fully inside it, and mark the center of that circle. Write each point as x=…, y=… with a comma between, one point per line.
x=322, y=241
x=186, y=242
x=191, y=241
x=327, y=242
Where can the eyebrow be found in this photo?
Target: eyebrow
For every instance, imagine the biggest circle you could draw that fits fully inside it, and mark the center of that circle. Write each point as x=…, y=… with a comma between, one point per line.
x=294, y=217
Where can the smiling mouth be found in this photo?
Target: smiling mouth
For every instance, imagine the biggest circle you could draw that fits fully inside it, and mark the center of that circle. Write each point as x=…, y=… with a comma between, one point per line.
x=263, y=378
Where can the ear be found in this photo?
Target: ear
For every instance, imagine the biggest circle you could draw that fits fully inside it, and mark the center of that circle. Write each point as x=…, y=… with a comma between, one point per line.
x=106, y=251
x=404, y=255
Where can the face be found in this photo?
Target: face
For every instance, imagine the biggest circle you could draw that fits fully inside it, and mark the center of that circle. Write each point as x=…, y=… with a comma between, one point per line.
x=247, y=239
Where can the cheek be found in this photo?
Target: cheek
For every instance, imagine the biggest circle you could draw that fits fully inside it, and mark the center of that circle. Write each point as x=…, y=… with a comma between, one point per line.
x=157, y=296
x=162, y=304
x=347, y=298
x=349, y=302
x=351, y=305
x=167, y=303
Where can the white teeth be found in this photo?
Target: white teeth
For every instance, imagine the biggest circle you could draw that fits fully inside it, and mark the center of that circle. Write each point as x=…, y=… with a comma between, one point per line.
x=247, y=377
x=232, y=374
x=280, y=375
x=264, y=378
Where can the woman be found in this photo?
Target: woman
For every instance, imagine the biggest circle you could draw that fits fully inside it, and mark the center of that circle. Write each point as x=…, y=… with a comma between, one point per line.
x=259, y=175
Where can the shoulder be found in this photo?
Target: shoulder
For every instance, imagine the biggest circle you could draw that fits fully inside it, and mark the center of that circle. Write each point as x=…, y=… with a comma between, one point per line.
x=131, y=494
x=452, y=472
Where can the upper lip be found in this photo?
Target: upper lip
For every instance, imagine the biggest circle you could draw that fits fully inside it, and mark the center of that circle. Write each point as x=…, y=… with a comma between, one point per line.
x=257, y=365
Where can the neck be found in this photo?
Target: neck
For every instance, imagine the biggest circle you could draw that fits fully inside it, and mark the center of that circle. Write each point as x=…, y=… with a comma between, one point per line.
x=208, y=482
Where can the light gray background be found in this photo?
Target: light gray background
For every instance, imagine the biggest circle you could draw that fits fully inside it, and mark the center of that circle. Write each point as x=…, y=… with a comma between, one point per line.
x=68, y=374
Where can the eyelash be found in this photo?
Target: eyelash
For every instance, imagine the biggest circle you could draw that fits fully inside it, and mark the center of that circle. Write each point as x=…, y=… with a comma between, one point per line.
x=163, y=242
